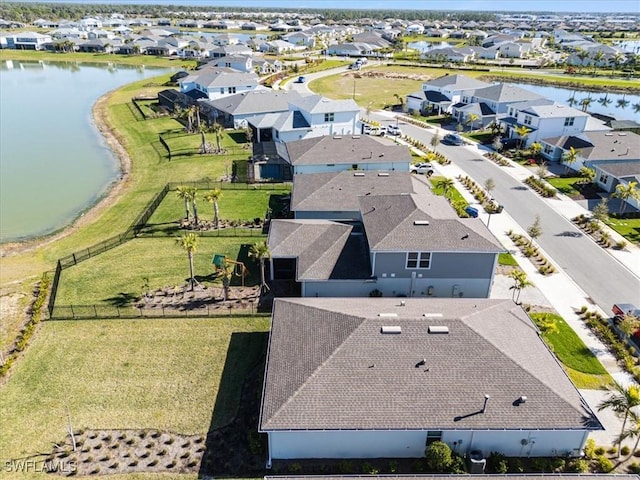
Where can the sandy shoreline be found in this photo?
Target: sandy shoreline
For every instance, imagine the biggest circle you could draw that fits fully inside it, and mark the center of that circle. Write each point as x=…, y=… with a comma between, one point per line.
x=116, y=190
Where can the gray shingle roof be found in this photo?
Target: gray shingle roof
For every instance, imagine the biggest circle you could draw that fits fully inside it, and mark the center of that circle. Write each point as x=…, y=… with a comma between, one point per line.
x=344, y=150
x=330, y=367
x=505, y=93
x=613, y=146
x=339, y=191
x=255, y=101
x=555, y=110
x=319, y=104
x=622, y=169
x=221, y=77
x=389, y=223
x=317, y=244
x=457, y=82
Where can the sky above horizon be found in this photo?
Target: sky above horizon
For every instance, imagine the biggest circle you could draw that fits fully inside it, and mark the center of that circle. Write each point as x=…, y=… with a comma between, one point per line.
x=578, y=6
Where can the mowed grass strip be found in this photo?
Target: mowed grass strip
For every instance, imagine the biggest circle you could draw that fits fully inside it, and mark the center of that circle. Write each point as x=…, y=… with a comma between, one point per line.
x=571, y=350
x=119, y=273
x=160, y=373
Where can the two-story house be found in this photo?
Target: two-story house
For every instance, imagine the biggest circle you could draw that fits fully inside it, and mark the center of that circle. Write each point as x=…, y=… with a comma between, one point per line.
x=442, y=93
x=217, y=82
x=385, y=377
x=309, y=116
x=27, y=41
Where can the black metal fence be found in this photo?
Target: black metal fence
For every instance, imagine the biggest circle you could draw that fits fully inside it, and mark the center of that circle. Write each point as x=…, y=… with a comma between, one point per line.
x=210, y=185
x=93, y=312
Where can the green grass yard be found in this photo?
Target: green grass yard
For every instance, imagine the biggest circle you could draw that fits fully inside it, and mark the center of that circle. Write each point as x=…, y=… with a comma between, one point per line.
x=565, y=185
x=118, y=274
x=629, y=228
x=584, y=369
x=161, y=373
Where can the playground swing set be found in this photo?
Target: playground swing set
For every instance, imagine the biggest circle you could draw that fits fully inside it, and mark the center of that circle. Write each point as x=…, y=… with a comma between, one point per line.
x=222, y=261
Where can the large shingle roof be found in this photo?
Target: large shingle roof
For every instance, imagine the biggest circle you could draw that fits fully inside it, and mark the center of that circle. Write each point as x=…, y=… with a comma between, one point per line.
x=319, y=104
x=457, y=82
x=221, y=77
x=506, y=93
x=348, y=150
x=389, y=223
x=613, y=146
x=339, y=191
x=255, y=101
x=330, y=367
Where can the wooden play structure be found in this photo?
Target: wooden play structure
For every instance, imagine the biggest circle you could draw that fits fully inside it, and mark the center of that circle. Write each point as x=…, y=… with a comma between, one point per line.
x=222, y=262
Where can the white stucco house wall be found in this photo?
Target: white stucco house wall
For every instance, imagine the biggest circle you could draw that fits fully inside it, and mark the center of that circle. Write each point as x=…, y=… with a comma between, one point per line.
x=381, y=378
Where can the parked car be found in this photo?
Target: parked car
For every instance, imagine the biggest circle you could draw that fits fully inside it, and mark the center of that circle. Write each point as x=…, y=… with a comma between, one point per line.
x=621, y=309
x=301, y=80
x=394, y=130
x=421, y=168
x=453, y=139
x=471, y=211
x=373, y=130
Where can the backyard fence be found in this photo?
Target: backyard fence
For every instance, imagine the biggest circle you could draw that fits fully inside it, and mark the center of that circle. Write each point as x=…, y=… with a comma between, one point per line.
x=94, y=312
x=210, y=185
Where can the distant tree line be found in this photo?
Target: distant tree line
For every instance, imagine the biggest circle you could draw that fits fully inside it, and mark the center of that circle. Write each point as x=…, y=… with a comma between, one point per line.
x=29, y=12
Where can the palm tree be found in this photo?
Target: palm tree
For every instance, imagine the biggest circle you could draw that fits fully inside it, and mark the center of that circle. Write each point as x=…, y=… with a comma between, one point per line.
x=472, y=118
x=523, y=132
x=636, y=107
x=605, y=101
x=618, y=60
x=185, y=194
x=536, y=149
x=632, y=432
x=261, y=252
x=569, y=157
x=446, y=184
x=193, y=193
x=188, y=242
x=217, y=129
x=582, y=55
x=585, y=103
x=597, y=58
x=226, y=272
x=621, y=401
x=212, y=197
x=572, y=100
x=626, y=191
x=520, y=282
x=622, y=102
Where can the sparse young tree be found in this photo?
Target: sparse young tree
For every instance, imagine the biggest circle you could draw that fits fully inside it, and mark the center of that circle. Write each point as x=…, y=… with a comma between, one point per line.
x=260, y=251
x=435, y=141
x=520, y=282
x=535, y=230
x=189, y=242
x=489, y=185
x=183, y=193
x=601, y=210
x=212, y=197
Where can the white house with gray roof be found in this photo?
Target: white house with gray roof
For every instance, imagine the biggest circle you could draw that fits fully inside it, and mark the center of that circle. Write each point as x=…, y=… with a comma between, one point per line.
x=217, y=82
x=443, y=92
x=382, y=378
x=307, y=117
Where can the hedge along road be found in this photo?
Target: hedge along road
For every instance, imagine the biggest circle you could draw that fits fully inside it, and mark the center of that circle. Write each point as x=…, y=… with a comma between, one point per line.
x=602, y=277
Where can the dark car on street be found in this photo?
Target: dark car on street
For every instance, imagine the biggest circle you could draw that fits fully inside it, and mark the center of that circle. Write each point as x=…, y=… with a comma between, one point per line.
x=453, y=139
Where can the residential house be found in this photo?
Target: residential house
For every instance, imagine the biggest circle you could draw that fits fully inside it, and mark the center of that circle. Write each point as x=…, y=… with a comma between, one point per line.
x=265, y=66
x=241, y=63
x=100, y=34
x=27, y=41
x=309, y=116
x=279, y=47
x=543, y=120
x=230, y=50
x=216, y=82
x=233, y=110
x=415, y=29
x=442, y=93
x=300, y=38
x=385, y=377
x=448, y=54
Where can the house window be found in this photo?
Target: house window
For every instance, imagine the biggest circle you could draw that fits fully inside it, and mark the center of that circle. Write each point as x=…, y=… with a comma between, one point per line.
x=604, y=178
x=418, y=259
x=569, y=121
x=527, y=119
x=548, y=149
x=221, y=89
x=328, y=117
x=354, y=166
x=232, y=89
x=433, y=436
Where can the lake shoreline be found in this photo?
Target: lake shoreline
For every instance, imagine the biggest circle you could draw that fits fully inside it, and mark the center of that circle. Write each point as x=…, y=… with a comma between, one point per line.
x=113, y=193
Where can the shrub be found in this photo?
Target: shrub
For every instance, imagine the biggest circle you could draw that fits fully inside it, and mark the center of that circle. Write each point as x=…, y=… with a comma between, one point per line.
x=599, y=451
x=497, y=463
x=604, y=465
x=590, y=446
x=345, y=467
x=393, y=466
x=578, y=465
x=457, y=465
x=634, y=468
x=438, y=457
x=515, y=465
x=375, y=293
x=540, y=464
x=613, y=450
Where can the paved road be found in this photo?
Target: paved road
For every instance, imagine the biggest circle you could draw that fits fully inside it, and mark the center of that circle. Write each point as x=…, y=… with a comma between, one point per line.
x=604, y=279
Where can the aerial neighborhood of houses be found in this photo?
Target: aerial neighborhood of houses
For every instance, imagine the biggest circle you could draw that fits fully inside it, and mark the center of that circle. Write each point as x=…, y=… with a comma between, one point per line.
x=392, y=341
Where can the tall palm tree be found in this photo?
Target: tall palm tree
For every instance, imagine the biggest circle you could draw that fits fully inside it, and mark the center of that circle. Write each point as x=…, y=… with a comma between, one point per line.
x=618, y=60
x=261, y=252
x=572, y=101
x=632, y=432
x=585, y=103
x=520, y=282
x=446, y=184
x=622, y=102
x=597, y=58
x=605, y=101
x=582, y=55
x=621, y=401
x=626, y=191
x=189, y=242
x=636, y=107
x=212, y=197
x=523, y=132
x=472, y=118
x=217, y=129
x=569, y=157
x=183, y=193
x=193, y=193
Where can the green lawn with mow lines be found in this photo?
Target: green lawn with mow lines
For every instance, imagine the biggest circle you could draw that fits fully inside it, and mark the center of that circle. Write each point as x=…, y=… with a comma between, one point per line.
x=572, y=351
x=119, y=273
x=160, y=373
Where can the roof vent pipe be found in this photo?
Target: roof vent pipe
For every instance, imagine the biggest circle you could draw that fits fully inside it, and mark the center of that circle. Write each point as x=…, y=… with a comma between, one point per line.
x=486, y=400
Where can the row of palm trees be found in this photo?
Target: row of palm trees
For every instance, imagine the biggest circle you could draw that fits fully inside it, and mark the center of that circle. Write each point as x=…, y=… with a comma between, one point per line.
x=605, y=101
x=188, y=242
x=190, y=195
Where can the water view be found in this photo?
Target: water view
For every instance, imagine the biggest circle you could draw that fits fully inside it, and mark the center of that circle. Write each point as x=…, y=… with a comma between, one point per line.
x=53, y=162
x=616, y=105
x=423, y=46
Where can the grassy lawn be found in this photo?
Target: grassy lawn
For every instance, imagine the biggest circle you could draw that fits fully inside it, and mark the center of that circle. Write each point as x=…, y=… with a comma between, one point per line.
x=582, y=366
x=117, y=275
x=629, y=228
x=507, y=260
x=182, y=143
x=454, y=194
x=177, y=375
x=565, y=185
